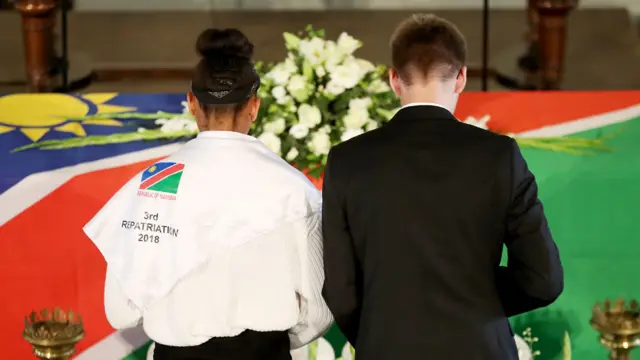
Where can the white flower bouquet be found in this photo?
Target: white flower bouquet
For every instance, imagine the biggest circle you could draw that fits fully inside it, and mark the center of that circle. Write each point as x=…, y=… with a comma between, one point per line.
x=319, y=96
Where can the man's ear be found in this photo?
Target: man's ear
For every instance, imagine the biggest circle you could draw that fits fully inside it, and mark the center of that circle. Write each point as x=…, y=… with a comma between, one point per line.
x=192, y=101
x=461, y=80
x=395, y=82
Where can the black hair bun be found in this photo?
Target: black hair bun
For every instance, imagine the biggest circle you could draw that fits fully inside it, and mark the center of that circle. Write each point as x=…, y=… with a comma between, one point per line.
x=224, y=43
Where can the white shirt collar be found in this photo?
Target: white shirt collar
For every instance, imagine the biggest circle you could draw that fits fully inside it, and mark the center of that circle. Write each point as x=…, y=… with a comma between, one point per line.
x=232, y=135
x=424, y=104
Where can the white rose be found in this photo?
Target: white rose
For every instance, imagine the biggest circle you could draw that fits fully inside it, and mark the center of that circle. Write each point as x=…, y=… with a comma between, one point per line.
x=360, y=104
x=309, y=115
x=298, y=131
x=289, y=64
x=365, y=66
x=348, y=43
x=276, y=126
x=325, y=129
x=351, y=133
x=334, y=89
x=371, y=125
x=271, y=141
x=347, y=74
x=279, y=93
x=287, y=100
x=292, y=154
x=320, y=143
x=279, y=74
x=312, y=50
x=355, y=119
x=298, y=87
x=333, y=56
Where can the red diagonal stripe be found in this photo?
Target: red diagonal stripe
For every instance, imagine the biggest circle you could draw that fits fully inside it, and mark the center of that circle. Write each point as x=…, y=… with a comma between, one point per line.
x=161, y=175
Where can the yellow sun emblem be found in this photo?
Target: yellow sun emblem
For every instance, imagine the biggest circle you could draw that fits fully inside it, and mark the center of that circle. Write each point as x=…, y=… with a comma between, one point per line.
x=37, y=114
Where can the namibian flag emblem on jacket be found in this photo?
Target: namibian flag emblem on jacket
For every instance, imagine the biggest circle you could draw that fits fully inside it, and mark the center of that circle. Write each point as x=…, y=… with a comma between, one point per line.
x=163, y=177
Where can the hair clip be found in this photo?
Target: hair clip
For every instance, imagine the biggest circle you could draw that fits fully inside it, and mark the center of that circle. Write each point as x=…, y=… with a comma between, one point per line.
x=219, y=94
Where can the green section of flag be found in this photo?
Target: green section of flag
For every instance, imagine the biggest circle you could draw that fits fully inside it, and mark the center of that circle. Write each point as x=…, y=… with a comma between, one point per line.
x=169, y=184
x=140, y=353
x=592, y=204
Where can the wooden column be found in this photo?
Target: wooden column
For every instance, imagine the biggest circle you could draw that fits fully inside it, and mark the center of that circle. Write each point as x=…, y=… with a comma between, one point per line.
x=38, y=22
x=552, y=33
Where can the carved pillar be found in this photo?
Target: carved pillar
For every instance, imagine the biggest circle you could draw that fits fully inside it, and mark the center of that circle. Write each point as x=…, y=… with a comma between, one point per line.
x=38, y=22
x=552, y=33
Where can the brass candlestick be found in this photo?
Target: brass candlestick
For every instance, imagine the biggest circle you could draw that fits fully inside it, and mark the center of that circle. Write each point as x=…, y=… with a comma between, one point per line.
x=619, y=327
x=53, y=334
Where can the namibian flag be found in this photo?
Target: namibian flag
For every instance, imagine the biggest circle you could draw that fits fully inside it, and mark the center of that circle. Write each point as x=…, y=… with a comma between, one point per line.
x=162, y=177
x=47, y=196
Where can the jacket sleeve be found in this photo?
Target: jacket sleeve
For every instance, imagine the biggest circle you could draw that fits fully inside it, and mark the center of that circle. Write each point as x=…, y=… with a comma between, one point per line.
x=121, y=312
x=315, y=318
x=343, y=278
x=533, y=277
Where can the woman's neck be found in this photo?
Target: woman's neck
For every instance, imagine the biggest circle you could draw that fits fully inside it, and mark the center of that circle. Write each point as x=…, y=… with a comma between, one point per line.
x=219, y=126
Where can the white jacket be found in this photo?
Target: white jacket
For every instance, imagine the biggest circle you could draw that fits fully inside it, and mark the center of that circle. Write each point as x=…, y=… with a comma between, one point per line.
x=220, y=237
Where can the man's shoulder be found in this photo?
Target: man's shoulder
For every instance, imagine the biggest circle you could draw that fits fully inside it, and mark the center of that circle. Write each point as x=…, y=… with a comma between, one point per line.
x=360, y=143
x=484, y=137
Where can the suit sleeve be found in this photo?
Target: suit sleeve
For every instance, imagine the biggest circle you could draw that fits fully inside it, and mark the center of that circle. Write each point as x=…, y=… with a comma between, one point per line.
x=315, y=317
x=533, y=277
x=121, y=312
x=341, y=288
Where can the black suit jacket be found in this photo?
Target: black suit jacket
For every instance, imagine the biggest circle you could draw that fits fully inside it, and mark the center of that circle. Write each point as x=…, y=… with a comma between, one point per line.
x=415, y=217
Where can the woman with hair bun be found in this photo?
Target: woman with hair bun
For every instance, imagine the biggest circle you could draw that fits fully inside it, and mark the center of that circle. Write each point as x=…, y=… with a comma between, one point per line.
x=217, y=249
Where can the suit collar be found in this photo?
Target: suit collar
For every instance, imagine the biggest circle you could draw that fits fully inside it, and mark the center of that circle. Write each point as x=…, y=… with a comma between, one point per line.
x=422, y=111
x=423, y=104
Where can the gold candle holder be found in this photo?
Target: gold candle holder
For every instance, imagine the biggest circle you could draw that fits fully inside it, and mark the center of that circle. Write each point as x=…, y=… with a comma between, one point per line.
x=619, y=327
x=53, y=334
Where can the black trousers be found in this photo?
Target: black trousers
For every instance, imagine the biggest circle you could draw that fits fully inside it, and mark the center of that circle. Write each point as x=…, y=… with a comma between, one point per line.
x=249, y=345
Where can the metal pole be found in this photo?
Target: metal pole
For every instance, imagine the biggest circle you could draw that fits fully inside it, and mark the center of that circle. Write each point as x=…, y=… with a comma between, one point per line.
x=485, y=44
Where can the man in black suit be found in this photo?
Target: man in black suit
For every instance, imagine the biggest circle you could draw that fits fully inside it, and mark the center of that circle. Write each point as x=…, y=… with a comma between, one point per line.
x=416, y=214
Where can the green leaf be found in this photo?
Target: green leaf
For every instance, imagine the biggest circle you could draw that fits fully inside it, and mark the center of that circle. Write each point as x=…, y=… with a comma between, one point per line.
x=316, y=172
x=386, y=114
x=107, y=139
x=566, y=347
x=307, y=70
x=291, y=41
x=313, y=350
x=132, y=115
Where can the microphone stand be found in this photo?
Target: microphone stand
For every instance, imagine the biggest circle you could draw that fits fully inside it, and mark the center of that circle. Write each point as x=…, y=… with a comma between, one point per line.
x=485, y=72
x=485, y=44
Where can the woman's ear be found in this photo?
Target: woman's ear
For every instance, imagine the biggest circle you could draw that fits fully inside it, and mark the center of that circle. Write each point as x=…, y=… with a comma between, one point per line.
x=255, y=108
x=193, y=103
